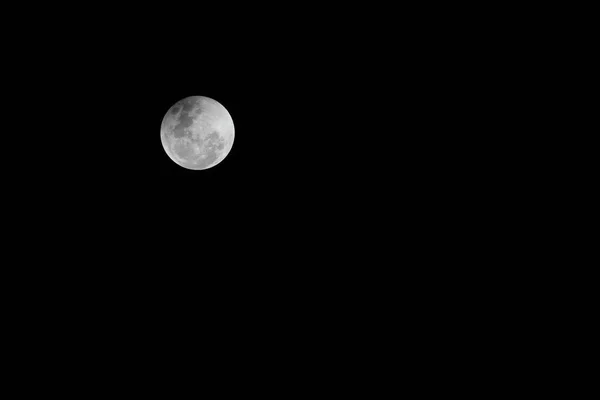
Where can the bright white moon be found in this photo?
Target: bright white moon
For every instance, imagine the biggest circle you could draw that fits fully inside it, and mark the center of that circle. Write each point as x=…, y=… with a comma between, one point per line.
x=197, y=133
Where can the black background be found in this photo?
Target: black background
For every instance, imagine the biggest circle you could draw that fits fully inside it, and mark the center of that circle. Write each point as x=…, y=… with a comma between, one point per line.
x=376, y=180
x=349, y=122
x=364, y=138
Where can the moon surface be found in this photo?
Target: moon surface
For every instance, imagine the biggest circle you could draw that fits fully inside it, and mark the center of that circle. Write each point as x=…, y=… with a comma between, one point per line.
x=197, y=133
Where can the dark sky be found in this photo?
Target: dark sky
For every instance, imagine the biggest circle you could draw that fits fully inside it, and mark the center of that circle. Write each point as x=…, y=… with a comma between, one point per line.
x=367, y=151
x=345, y=119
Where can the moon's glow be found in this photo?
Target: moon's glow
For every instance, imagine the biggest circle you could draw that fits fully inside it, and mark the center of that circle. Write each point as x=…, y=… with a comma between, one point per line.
x=197, y=132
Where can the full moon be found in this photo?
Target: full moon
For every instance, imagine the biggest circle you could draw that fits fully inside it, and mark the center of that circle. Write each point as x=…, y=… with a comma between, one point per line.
x=197, y=133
